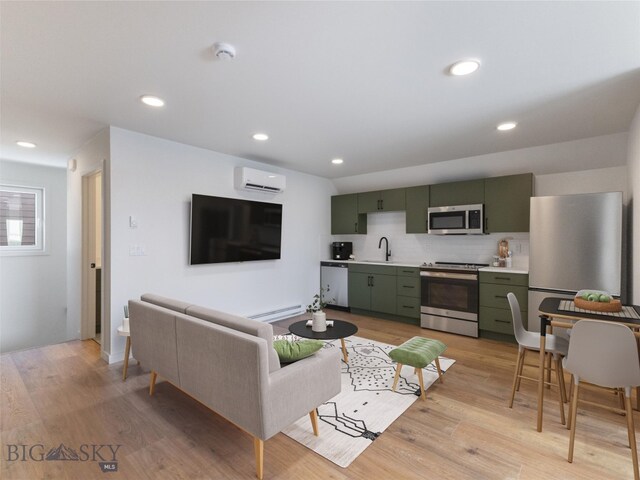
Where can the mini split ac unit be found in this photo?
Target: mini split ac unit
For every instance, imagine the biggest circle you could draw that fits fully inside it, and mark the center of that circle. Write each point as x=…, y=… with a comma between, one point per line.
x=257, y=180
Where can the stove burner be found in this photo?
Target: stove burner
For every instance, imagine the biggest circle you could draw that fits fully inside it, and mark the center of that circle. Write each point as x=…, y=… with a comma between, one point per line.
x=453, y=266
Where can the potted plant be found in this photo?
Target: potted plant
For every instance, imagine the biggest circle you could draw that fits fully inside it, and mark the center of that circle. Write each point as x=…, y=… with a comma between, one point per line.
x=319, y=318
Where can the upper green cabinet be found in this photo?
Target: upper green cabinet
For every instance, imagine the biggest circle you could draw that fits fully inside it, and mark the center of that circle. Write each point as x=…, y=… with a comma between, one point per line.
x=344, y=215
x=506, y=203
x=457, y=193
x=381, y=201
x=417, y=204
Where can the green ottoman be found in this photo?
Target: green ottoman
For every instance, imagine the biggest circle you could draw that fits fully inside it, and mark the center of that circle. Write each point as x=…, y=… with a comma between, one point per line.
x=417, y=352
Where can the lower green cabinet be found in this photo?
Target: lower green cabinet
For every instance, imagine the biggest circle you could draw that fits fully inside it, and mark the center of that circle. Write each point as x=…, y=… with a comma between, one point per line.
x=495, y=313
x=372, y=291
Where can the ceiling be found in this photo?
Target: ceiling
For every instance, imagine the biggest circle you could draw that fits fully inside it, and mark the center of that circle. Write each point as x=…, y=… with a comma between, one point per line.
x=362, y=81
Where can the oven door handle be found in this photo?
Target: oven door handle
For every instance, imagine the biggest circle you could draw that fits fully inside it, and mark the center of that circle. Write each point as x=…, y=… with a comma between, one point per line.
x=457, y=276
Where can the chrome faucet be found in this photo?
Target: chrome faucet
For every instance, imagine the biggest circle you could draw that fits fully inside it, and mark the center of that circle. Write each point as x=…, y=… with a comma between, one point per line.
x=387, y=252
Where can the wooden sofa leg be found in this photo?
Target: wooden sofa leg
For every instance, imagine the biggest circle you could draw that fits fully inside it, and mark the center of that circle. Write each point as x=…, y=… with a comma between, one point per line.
x=152, y=382
x=314, y=421
x=258, y=446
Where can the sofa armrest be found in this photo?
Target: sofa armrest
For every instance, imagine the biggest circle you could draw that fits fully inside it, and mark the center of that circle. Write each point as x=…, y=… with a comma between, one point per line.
x=295, y=390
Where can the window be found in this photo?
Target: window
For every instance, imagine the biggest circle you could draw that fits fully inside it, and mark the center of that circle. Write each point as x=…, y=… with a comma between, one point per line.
x=21, y=219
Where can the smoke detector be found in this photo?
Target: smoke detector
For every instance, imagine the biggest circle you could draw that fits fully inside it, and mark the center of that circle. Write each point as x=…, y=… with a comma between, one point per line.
x=224, y=51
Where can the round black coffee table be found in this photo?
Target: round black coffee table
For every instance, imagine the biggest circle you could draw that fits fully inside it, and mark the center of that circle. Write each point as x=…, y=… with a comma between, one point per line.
x=340, y=330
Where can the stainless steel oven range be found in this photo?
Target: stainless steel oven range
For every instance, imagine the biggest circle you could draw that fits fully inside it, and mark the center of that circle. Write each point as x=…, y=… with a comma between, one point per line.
x=449, y=297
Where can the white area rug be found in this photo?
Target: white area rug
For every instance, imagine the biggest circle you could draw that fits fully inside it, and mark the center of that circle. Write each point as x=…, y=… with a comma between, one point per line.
x=366, y=406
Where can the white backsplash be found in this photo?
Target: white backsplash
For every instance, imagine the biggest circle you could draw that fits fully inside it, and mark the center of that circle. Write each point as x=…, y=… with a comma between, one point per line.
x=418, y=248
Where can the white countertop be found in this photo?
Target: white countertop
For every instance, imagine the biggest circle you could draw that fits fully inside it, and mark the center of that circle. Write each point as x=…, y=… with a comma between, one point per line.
x=505, y=270
x=391, y=263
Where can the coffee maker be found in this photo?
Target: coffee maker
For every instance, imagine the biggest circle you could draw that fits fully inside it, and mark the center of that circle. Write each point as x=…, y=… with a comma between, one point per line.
x=341, y=250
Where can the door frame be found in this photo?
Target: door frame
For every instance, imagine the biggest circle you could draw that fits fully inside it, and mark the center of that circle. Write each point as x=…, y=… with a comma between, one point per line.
x=87, y=327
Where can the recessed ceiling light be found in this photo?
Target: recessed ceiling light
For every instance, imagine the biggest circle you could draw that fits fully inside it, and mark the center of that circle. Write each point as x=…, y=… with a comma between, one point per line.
x=337, y=161
x=261, y=137
x=464, y=67
x=506, y=126
x=22, y=143
x=152, y=101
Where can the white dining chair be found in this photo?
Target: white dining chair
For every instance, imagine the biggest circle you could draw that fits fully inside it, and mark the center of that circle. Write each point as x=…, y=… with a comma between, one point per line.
x=604, y=354
x=556, y=347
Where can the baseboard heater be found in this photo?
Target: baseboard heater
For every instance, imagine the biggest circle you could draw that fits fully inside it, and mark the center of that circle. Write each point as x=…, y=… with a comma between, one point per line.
x=278, y=314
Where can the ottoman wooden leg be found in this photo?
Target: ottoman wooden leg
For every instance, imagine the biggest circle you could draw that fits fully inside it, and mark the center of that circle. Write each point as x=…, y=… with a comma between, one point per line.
x=395, y=380
x=439, y=370
x=423, y=392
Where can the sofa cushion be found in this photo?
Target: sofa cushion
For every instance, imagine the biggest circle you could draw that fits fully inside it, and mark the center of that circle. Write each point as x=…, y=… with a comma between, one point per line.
x=242, y=324
x=170, y=303
x=292, y=351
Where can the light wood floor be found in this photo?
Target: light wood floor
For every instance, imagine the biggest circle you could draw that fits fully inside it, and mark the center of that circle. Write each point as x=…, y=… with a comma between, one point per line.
x=66, y=394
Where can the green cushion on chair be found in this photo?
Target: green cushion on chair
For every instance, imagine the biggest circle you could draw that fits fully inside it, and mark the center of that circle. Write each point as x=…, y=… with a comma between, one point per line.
x=418, y=352
x=289, y=352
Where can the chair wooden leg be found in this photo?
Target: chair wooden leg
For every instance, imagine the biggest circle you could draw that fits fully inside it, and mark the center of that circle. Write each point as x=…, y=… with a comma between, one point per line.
x=415, y=370
x=560, y=387
x=258, y=447
x=565, y=399
x=423, y=392
x=152, y=383
x=516, y=376
x=637, y=398
x=440, y=378
x=313, y=414
x=395, y=380
x=524, y=355
x=548, y=370
x=571, y=392
x=574, y=412
x=127, y=351
x=632, y=435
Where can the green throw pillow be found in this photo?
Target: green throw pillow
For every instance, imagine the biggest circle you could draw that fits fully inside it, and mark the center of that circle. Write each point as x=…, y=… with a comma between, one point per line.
x=289, y=352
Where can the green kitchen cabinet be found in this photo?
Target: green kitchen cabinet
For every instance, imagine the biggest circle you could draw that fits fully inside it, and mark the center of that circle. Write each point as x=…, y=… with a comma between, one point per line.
x=359, y=290
x=345, y=218
x=383, y=293
x=506, y=203
x=372, y=287
x=381, y=201
x=408, y=290
x=417, y=204
x=494, y=316
x=469, y=192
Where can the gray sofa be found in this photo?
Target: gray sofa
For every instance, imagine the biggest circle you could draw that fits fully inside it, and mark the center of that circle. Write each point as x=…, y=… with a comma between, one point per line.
x=228, y=363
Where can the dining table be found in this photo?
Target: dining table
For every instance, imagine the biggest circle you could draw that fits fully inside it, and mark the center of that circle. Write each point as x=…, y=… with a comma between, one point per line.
x=563, y=313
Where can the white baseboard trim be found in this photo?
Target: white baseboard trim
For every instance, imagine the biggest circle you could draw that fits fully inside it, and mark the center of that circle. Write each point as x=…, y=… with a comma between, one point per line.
x=117, y=357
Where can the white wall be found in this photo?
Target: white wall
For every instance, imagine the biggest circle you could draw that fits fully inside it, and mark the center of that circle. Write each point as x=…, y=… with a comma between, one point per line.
x=578, y=155
x=91, y=157
x=153, y=179
x=33, y=287
x=633, y=165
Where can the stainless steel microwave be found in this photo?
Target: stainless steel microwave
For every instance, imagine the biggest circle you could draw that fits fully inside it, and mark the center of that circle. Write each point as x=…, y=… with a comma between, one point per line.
x=456, y=220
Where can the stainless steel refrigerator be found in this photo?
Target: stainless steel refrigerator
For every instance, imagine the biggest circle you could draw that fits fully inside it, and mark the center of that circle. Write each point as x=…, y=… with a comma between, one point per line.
x=575, y=243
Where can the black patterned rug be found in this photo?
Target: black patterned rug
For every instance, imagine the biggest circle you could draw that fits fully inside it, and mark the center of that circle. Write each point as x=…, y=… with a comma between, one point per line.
x=366, y=406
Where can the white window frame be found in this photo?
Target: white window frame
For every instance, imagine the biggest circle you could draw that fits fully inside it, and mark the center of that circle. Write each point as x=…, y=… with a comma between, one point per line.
x=40, y=247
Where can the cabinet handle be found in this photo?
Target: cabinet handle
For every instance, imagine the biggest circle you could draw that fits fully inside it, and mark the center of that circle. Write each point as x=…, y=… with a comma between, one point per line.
x=503, y=278
x=407, y=271
x=355, y=227
x=381, y=204
x=501, y=321
x=500, y=296
x=368, y=281
x=408, y=286
x=407, y=306
x=372, y=282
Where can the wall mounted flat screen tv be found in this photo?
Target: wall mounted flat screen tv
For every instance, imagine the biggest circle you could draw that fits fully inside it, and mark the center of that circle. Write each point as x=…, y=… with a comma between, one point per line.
x=233, y=230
